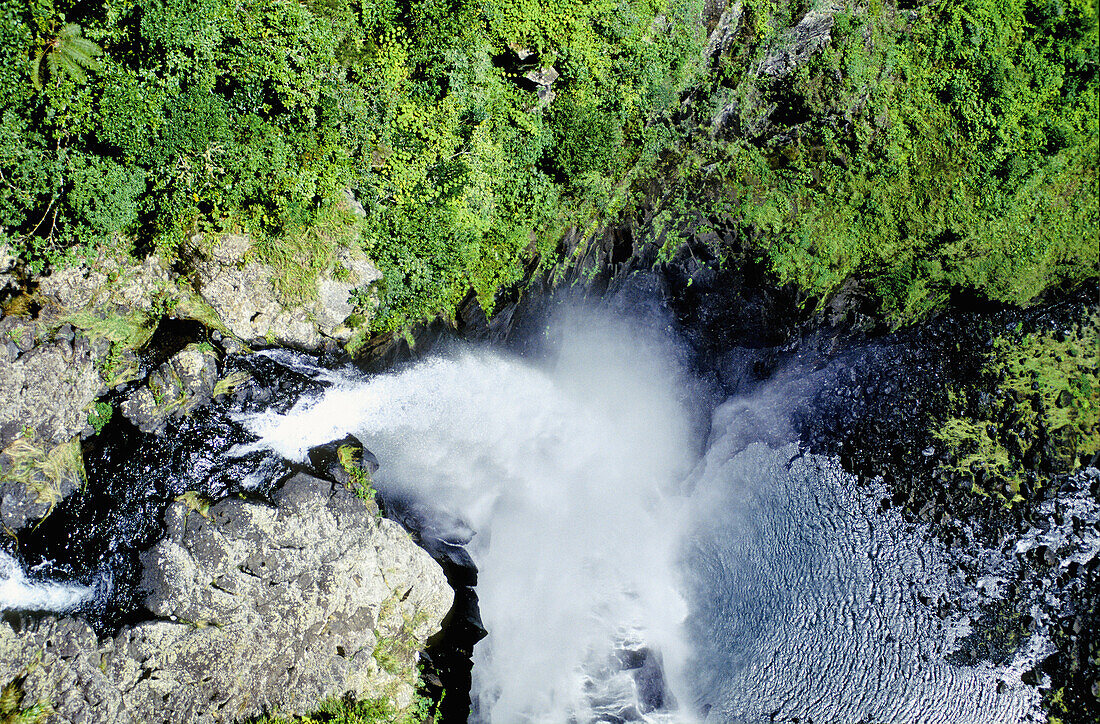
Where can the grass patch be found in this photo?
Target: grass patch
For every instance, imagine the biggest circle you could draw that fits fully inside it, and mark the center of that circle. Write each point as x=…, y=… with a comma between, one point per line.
x=129, y=331
x=46, y=474
x=359, y=480
x=13, y=709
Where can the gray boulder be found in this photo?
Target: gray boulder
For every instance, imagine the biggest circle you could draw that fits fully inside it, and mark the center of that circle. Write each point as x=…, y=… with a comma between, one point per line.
x=260, y=609
x=61, y=660
x=110, y=283
x=243, y=293
x=175, y=389
x=45, y=390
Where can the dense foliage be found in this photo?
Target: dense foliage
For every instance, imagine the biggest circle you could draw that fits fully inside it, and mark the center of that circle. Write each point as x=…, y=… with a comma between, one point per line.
x=927, y=147
x=202, y=115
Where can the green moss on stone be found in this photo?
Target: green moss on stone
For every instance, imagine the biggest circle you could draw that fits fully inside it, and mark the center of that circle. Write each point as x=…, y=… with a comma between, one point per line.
x=1036, y=408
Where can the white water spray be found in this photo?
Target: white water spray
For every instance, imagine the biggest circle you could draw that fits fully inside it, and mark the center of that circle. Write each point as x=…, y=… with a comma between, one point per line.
x=767, y=583
x=17, y=592
x=567, y=475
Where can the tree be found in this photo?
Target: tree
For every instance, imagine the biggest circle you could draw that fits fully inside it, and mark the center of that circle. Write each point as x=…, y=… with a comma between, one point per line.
x=69, y=53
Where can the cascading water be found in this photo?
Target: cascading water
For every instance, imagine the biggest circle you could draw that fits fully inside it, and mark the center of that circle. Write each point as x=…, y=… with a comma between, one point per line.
x=18, y=591
x=568, y=474
x=641, y=556
x=621, y=579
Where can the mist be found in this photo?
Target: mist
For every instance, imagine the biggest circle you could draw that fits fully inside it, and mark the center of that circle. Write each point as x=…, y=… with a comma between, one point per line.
x=567, y=470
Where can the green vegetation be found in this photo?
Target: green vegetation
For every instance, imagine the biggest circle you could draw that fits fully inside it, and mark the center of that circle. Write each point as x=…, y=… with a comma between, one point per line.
x=951, y=145
x=45, y=472
x=255, y=116
x=66, y=54
x=13, y=711
x=100, y=415
x=1035, y=409
x=371, y=711
x=350, y=458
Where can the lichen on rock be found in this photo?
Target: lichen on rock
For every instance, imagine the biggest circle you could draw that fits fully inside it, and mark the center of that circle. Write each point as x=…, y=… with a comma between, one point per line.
x=258, y=609
x=245, y=294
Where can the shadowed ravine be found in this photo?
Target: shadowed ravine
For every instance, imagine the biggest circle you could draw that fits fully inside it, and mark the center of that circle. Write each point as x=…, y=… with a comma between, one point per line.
x=621, y=578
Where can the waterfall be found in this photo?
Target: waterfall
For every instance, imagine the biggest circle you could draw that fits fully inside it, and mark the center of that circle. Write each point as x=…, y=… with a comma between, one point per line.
x=624, y=577
x=567, y=471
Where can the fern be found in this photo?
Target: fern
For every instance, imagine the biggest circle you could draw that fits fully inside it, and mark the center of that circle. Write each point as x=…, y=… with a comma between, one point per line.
x=68, y=54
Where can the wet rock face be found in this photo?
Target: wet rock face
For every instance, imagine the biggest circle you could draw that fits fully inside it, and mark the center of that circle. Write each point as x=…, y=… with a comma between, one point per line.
x=243, y=294
x=260, y=608
x=176, y=388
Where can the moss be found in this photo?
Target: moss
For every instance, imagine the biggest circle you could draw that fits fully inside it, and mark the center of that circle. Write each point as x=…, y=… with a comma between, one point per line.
x=127, y=333
x=1035, y=408
x=230, y=382
x=20, y=305
x=100, y=415
x=358, y=479
x=371, y=711
x=190, y=305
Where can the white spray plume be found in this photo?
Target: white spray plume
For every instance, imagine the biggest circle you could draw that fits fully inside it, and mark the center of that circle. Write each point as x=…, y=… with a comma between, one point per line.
x=17, y=592
x=566, y=471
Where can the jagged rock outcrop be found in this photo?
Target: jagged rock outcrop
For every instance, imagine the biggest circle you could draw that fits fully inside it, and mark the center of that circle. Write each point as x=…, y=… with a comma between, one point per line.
x=243, y=293
x=7, y=267
x=748, y=110
x=55, y=363
x=798, y=44
x=176, y=388
x=260, y=608
x=45, y=390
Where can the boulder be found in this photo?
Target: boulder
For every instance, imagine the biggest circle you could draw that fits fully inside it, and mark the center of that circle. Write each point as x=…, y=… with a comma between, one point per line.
x=326, y=463
x=111, y=283
x=48, y=390
x=243, y=293
x=35, y=477
x=60, y=663
x=258, y=609
x=175, y=389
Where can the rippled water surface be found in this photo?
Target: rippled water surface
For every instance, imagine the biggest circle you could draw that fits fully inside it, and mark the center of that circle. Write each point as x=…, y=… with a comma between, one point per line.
x=809, y=603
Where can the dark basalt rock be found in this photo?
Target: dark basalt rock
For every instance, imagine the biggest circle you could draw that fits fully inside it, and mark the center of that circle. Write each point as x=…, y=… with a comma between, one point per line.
x=325, y=459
